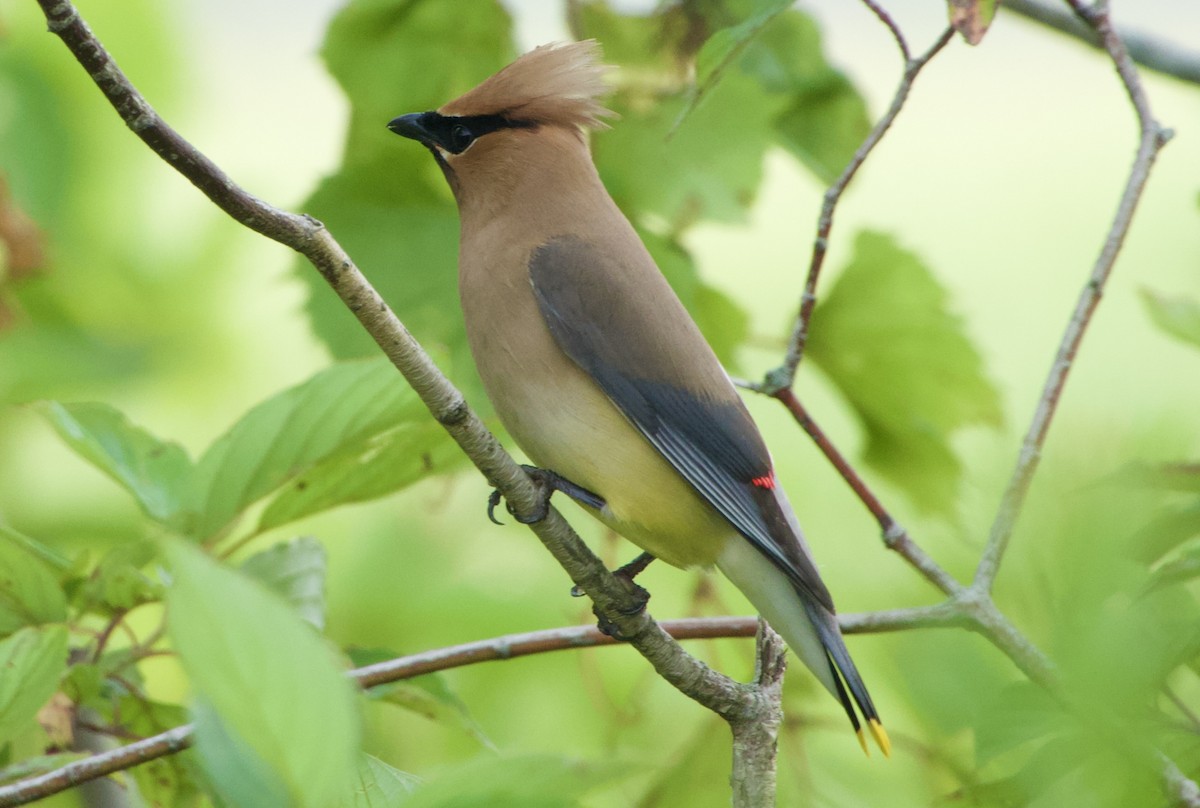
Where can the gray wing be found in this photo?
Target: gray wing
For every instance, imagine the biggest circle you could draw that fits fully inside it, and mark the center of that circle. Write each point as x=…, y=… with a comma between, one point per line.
x=631, y=334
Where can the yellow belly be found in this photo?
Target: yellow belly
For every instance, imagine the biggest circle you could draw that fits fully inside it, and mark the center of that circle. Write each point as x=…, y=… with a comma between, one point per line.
x=566, y=424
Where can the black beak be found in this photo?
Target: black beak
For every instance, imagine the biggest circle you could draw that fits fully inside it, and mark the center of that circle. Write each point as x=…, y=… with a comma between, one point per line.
x=414, y=126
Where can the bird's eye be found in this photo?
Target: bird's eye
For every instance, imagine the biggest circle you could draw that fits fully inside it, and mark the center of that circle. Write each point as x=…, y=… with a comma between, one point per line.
x=460, y=138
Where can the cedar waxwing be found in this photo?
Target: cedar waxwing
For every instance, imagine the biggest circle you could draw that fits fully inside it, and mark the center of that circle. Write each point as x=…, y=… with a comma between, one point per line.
x=595, y=367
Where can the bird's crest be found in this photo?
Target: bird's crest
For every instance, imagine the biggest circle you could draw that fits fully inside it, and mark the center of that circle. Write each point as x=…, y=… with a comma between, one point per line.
x=556, y=84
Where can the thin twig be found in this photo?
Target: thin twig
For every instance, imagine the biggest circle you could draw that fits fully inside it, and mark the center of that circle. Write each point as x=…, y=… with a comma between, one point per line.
x=1151, y=52
x=1153, y=138
x=895, y=537
x=784, y=376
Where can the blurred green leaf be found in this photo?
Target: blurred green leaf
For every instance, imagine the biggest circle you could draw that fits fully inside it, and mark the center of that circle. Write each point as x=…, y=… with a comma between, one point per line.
x=531, y=781
x=971, y=18
x=294, y=570
x=429, y=695
x=1184, y=568
x=886, y=337
x=271, y=685
x=118, y=582
x=234, y=770
x=686, y=779
x=30, y=593
x=724, y=46
x=33, y=660
x=38, y=764
x=379, y=785
x=168, y=780
x=1178, y=316
x=1020, y=713
x=696, y=174
x=155, y=472
x=1182, y=477
x=823, y=119
x=1167, y=530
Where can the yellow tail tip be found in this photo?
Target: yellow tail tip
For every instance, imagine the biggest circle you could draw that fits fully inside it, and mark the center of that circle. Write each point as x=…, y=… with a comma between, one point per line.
x=881, y=737
x=862, y=741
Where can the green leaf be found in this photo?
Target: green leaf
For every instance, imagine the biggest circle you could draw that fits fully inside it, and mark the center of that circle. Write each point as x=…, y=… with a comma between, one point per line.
x=271, y=684
x=155, y=472
x=32, y=661
x=235, y=771
x=1184, y=568
x=372, y=467
x=688, y=779
x=1021, y=713
x=694, y=175
x=328, y=427
x=971, y=18
x=379, y=785
x=38, y=764
x=532, y=781
x=823, y=119
x=1168, y=529
x=724, y=46
x=294, y=570
x=118, y=582
x=1181, y=477
x=30, y=593
x=168, y=780
x=887, y=339
x=429, y=695
x=1178, y=316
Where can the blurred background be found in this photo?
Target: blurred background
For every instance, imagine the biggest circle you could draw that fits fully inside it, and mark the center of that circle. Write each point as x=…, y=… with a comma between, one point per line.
x=1001, y=176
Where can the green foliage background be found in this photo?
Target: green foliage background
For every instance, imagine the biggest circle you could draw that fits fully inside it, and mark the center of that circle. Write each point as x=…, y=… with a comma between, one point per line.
x=173, y=389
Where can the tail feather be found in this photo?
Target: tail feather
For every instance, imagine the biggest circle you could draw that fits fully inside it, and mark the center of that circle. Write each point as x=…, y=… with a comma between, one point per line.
x=809, y=629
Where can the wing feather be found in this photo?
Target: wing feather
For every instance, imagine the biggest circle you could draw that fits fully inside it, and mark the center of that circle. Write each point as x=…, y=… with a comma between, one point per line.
x=643, y=350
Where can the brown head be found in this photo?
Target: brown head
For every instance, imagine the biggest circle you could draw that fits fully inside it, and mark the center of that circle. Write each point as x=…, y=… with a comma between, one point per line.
x=478, y=138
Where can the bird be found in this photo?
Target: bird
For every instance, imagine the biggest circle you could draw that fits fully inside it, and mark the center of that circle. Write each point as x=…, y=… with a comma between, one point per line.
x=594, y=366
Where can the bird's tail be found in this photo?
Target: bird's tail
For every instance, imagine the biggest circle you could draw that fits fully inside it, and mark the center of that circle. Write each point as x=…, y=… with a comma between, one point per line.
x=809, y=629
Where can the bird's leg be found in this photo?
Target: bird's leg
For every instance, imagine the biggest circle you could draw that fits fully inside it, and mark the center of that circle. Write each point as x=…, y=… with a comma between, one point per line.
x=634, y=568
x=549, y=482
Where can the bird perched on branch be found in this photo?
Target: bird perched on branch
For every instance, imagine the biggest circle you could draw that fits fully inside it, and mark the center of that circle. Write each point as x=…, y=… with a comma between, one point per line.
x=595, y=367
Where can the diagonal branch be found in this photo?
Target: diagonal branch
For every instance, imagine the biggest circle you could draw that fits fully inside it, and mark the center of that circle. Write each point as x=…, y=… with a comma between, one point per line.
x=1153, y=138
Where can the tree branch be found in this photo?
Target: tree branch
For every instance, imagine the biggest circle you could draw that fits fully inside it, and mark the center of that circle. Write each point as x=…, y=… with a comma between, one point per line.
x=1150, y=52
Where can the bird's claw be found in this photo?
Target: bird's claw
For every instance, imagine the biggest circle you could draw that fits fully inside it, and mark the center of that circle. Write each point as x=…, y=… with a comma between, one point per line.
x=547, y=482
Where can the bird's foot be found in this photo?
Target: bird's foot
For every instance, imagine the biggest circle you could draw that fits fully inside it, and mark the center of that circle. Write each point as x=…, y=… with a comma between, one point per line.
x=637, y=605
x=639, y=596
x=548, y=482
